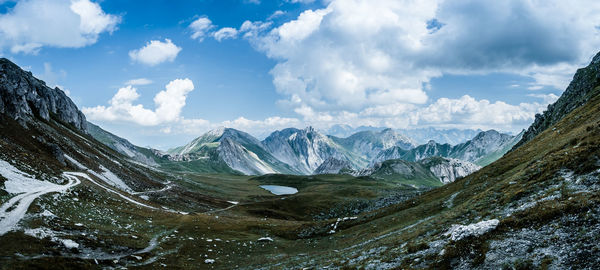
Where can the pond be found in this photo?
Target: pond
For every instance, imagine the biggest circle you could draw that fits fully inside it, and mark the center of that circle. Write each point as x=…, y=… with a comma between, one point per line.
x=280, y=190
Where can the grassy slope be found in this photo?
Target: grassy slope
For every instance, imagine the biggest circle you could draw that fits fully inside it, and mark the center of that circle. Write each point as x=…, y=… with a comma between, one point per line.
x=532, y=171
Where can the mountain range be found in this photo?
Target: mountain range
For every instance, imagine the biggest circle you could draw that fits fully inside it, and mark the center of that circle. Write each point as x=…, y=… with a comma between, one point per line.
x=306, y=151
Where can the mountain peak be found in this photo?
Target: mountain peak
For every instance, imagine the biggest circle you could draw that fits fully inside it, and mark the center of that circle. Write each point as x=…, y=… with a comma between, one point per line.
x=216, y=132
x=309, y=129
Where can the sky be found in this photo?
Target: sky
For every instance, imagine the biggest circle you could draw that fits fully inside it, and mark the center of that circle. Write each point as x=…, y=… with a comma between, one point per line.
x=161, y=73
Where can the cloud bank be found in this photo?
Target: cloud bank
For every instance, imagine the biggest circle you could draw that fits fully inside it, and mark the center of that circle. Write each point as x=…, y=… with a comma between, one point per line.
x=33, y=24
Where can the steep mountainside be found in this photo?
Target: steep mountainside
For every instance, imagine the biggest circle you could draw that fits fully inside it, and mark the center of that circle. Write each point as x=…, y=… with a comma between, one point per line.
x=122, y=146
x=333, y=166
x=480, y=146
x=500, y=151
x=239, y=150
x=302, y=149
x=367, y=144
x=579, y=91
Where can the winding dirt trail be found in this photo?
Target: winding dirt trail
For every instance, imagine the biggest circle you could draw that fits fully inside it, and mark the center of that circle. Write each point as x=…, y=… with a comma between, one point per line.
x=28, y=189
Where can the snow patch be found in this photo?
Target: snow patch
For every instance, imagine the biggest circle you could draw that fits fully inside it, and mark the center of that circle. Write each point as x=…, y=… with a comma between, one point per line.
x=28, y=189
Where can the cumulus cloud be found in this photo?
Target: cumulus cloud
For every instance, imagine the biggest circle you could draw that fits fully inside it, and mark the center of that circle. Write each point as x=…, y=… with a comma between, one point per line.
x=225, y=33
x=201, y=27
x=155, y=52
x=373, y=60
x=168, y=103
x=140, y=81
x=33, y=24
x=467, y=111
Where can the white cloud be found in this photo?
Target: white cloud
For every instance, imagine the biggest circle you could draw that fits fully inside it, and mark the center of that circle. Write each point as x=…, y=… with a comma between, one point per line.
x=301, y=1
x=374, y=60
x=155, y=52
x=33, y=24
x=225, y=33
x=471, y=112
x=201, y=28
x=168, y=102
x=547, y=98
x=276, y=14
x=139, y=81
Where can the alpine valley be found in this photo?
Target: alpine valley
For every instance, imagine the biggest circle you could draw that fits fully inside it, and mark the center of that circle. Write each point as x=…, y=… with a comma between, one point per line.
x=73, y=195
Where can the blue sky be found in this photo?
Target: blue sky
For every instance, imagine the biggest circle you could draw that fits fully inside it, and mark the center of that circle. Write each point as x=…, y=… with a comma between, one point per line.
x=400, y=64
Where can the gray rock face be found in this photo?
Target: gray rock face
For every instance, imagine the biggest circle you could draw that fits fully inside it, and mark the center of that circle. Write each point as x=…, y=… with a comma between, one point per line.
x=578, y=93
x=449, y=169
x=23, y=98
x=333, y=166
x=302, y=149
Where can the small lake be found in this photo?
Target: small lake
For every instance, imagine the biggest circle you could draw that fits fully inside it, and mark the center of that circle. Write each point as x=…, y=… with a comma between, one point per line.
x=280, y=190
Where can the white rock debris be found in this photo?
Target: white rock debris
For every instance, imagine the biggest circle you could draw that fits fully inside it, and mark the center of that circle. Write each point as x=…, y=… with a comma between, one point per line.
x=265, y=239
x=458, y=232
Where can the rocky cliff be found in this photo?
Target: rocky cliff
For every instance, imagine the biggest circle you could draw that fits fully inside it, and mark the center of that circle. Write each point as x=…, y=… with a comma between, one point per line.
x=585, y=82
x=23, y=98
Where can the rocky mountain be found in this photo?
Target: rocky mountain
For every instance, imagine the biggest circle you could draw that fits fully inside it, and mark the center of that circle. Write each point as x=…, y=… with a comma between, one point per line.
x=580, y=90
x=449, y=169
x=366, y=145
x=239, y=150
x=483, y=149
x=302, y=149
x=452, y=136
x=444, y=170
x=500, y=151
x=417, y=135
x=24, y=98
x=481, y=145
x=122, y=146
x=333, y=166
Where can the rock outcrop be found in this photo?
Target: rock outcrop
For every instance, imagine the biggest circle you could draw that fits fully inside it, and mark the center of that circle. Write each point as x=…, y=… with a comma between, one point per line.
x=585, y=82
x=23, y=98
x=333, y=166
x=449, y=169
